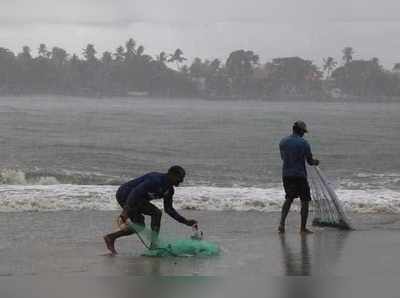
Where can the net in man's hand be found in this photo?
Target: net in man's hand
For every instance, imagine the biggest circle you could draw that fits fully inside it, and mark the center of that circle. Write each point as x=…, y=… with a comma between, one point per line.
x=328, y=211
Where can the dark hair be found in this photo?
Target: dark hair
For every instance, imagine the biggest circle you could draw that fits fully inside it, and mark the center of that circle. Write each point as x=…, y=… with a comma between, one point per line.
x=177, y=170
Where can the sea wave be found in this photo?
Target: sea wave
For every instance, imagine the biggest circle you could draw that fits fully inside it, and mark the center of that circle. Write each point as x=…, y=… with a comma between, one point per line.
x=53, y=177
x=17, y=198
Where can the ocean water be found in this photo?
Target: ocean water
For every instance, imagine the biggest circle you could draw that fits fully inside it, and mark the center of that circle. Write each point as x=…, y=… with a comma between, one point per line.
x=63, y=153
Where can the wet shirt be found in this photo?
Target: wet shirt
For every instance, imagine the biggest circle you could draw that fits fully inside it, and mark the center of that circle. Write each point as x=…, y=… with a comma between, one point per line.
x=294, y=152
x=152, y=186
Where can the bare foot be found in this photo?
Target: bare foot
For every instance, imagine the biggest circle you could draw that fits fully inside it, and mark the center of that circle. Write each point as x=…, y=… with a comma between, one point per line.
x=306, y=231
x=281, y=229
x=110, y=244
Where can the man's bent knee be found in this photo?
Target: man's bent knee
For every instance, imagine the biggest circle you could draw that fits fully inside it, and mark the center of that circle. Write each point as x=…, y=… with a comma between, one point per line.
x=156, y=220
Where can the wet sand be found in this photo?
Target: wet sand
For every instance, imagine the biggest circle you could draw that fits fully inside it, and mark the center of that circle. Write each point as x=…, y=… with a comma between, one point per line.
x=40, y=246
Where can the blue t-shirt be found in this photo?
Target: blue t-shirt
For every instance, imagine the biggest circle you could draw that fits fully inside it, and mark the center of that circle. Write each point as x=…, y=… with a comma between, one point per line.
x=151, y=186
x=294, y=152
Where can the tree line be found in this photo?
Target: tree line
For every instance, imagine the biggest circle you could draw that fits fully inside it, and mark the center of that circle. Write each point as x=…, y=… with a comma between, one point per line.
x=129, y=70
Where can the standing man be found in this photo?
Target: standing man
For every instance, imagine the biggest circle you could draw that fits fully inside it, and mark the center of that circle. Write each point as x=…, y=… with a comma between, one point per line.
x=134, y=197
x=294, y=152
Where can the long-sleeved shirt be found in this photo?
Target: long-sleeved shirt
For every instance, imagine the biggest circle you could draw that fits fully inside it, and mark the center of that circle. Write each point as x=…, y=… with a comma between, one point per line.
x=294, y=152
x=152, y=186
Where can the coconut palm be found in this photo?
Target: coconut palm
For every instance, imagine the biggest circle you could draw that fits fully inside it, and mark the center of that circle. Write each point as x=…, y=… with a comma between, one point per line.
x=43, y=52
x=348, y=53
x=130, y=48
x=140, y=50
x=89, y=53
x=329, y=65
x=106, y=58
x=177, y=57
x=119, y=54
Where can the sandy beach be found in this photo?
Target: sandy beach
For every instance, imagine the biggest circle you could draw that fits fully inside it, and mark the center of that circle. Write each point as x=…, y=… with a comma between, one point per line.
x=70, y=244
x=63, y=248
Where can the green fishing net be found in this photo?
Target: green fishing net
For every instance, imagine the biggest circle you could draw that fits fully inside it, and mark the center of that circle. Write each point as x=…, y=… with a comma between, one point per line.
x=167, y=246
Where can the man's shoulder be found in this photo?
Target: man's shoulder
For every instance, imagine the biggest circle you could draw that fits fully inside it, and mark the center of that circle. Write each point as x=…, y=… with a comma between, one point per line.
x=305, y=142
x=285, y=139
x=293, y=139
x=155, y=177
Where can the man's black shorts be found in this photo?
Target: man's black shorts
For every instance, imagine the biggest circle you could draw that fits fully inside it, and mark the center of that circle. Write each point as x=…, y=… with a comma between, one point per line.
x=138, y=209
x=296, y=187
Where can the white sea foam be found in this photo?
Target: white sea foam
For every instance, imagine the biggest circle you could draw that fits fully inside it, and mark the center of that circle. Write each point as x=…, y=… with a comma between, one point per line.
x=94, y=197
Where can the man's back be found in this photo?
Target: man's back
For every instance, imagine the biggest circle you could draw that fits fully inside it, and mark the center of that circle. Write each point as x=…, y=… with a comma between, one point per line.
x=152, y=186
x=294, y=151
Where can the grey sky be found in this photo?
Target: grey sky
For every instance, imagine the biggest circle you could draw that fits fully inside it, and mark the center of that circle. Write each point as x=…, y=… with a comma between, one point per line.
x=209, y=28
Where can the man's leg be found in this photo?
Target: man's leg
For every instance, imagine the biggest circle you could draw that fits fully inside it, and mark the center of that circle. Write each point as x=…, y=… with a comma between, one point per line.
x=110, y=238
x=284, y=214
x=305, y=198
x=136, y=218
x=304, y=216
x=155, y=214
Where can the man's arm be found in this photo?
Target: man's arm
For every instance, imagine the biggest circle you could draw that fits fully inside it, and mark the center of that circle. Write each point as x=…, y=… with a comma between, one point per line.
x=170, y=210
x=309, y=157
x=281, y=149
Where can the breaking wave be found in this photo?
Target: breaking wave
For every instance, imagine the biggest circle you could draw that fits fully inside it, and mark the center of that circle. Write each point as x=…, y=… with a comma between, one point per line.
x=42, y=177
x=41, y=190
x=101, y=197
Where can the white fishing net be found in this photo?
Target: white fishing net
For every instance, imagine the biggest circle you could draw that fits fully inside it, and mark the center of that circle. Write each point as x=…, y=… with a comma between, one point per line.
x=328, y=211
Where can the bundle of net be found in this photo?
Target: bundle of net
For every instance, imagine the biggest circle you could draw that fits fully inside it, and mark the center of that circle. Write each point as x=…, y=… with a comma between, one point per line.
x=173, y=246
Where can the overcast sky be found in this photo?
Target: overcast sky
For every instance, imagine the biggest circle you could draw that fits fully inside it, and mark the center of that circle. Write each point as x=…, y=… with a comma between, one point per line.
x=209, y=28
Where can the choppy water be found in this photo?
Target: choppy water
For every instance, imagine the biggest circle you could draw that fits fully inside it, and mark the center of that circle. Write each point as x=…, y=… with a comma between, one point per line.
x=70, y=153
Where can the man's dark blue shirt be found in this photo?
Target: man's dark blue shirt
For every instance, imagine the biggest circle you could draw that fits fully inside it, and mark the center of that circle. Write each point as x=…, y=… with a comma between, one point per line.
x=148, y=187
x=294, y=152
x=151, y=186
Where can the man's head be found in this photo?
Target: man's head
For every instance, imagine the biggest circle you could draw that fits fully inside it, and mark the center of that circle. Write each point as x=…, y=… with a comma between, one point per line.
x=300, y=128
x=176, y=174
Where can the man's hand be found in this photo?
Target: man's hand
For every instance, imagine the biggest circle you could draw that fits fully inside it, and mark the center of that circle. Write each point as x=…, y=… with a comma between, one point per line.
x=191, y=222
x=316, y=162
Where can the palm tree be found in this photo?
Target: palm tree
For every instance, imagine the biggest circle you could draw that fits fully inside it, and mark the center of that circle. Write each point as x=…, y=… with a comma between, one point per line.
x=162, y=58
x=25, y=55
x=89, y=52
x=215, y=66
x=140, y=50
x=329, y=65
x=396, y=67
x=106, y=58
x=348, y=53
x=375, y=60
x=130, y=48
x=43, y=52
x=119, y=54
x=58, y=56
x=177, y=57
